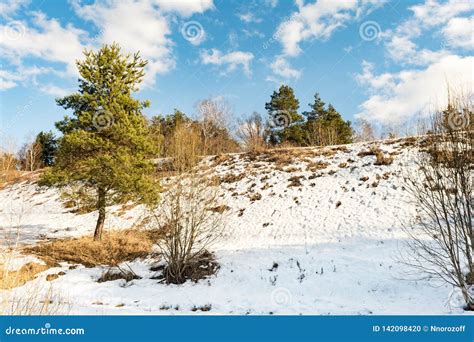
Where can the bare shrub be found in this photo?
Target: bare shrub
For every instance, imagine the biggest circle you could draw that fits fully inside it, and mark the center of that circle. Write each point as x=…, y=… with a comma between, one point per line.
x=253, y=133
x=443, y=239
x=184, y=148
x=8, y=167
x=189, y=225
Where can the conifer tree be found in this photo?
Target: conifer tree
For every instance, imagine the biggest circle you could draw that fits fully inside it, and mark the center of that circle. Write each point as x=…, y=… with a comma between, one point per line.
x=325, y=126
x=49, y=145
x=284, y=119
x=106, y=146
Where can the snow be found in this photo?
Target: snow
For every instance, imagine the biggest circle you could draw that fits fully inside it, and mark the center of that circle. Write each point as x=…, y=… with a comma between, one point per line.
x=294, y=251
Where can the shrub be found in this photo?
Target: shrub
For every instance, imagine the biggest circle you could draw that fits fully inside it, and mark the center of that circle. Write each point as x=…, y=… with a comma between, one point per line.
x=189, y=228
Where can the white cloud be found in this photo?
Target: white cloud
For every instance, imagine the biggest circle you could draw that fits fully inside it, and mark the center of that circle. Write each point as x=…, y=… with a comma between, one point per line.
x=397, y=97
x=319, y=20
x=230, y=60
x=47, y=40
x=10, y=7
x=249, y=18
x=402, y=49
x=185, y=7
x=252, y=33
x=136, y=26
x=281, y=68
x=459, y=32
x=432, y=12
x=53, y=90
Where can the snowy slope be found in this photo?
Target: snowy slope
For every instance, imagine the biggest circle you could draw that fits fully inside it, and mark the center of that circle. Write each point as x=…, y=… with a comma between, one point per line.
x=301, y=238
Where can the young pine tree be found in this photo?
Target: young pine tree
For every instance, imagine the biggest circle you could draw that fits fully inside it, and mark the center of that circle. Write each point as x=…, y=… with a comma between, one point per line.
x=105, y=145
x=284, y=119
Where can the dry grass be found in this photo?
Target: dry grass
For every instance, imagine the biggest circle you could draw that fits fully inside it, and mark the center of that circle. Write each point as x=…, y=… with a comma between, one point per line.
x=116, y=273
x=295, y=181
x=382, y=159
x=115, y=248
x=372, y=151
x=315, y=166
x=11, y=177
x=11, y=279
x=229, y=178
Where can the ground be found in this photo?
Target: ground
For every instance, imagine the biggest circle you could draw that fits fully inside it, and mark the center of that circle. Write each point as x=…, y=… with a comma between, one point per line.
x=307, y=231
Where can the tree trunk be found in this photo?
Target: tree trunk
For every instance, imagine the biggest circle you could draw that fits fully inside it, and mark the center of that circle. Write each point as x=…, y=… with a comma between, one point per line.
x=101, y=219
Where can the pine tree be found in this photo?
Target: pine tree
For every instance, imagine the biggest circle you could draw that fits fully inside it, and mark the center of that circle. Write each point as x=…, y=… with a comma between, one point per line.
x=106, y=145
x=49, y=145
x=284, y=119
x=317, y=109
x=325, y=126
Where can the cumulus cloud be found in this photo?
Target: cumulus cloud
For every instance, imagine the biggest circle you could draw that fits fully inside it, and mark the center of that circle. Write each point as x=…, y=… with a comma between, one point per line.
x=281, y=67
x=319, y=20
x=47, y=40
x=229, y=60
x=433, y=12
x=397, y=97
x=430, y=15
x=459, y=32
x=421, y=85
x=136, y=26
x=10, y=7
x=185, y=7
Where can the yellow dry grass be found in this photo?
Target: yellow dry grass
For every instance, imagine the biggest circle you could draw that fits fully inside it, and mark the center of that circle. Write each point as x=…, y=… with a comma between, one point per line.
x=114, y=248
x=11, y=279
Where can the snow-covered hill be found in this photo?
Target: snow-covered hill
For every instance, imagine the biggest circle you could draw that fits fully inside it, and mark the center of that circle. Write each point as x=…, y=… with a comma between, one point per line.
x=308, y=231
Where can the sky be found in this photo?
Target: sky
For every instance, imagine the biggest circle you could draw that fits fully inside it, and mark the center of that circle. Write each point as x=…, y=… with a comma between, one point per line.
x=388, y=62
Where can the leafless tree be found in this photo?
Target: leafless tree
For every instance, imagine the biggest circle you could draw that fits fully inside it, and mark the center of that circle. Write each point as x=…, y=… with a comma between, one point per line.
x=363, y=131
x=214, y=115
x=443, y=238
x=30, y=156
x=253, y=132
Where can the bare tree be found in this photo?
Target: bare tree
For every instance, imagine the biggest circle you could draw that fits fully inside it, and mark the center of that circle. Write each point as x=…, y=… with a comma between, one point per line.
x=253, y=132
x=30, y=156
x=443, y=239
x=214, y=115
x=363, y=131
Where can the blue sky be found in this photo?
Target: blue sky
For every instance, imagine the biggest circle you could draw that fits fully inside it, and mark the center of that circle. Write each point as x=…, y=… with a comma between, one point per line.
x=385, y=61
